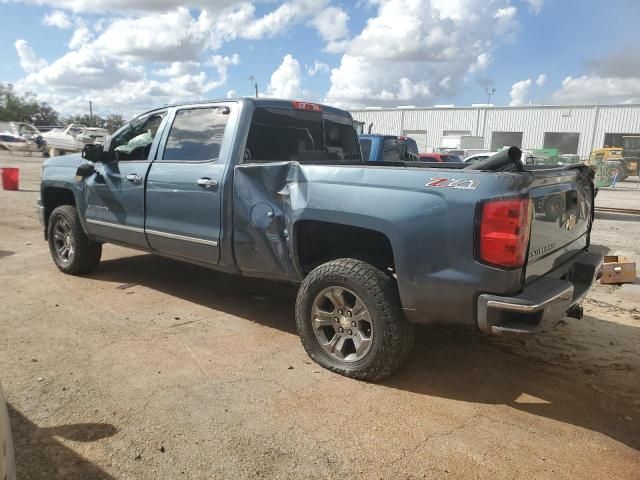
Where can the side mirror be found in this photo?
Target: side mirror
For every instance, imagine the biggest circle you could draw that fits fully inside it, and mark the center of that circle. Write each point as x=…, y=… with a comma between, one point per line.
x=96, y=153
x=85, y=170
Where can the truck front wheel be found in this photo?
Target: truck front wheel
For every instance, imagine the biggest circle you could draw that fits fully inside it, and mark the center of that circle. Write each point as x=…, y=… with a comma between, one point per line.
x=72, y=251
x=350, y=321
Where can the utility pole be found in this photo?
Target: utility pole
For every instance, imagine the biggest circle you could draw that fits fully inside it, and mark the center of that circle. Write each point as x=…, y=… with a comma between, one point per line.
x=489, y=92
x=90, y=114
x=253, y=82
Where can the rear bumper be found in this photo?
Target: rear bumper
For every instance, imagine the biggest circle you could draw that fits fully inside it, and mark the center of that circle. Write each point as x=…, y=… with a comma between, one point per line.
x=542, y=302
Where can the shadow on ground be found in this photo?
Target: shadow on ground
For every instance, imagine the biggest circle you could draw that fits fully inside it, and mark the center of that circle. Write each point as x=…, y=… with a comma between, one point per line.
x=40, y=456
x=447, y=362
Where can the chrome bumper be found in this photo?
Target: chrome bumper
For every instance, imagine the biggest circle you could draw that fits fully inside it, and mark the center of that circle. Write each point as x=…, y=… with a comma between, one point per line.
x=542, y=302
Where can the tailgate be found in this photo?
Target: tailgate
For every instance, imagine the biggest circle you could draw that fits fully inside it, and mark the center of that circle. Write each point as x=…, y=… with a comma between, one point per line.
x=563, y=204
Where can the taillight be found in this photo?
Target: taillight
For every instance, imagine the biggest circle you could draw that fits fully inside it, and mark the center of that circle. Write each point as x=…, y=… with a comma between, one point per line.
x=504, y=232
x=312, y=107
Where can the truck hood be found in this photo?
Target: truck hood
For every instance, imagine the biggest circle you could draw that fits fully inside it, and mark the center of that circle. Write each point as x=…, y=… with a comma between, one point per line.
x=73, y=160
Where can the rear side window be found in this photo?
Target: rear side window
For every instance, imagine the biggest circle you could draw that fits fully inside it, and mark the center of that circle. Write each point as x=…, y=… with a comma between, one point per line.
x=412, y=146
x=278, y=134
x=365, y=147
x=196, y=134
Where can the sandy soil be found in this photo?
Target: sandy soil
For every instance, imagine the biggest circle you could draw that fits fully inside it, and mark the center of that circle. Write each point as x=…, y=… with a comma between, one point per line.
x=153, y=369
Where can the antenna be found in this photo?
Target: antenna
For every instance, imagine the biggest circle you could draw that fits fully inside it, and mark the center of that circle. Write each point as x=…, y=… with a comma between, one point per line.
x=253, y=82
x=489, y=91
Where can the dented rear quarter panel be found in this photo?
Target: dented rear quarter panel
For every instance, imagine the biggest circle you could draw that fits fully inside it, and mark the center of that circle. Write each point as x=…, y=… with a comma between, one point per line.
x=430, y=229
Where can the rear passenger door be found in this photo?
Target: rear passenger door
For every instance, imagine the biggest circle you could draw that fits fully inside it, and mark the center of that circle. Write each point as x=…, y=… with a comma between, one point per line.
x=183, y=194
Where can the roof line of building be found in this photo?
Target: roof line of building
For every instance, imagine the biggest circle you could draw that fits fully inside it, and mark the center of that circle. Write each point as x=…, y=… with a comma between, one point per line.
x=495, y=107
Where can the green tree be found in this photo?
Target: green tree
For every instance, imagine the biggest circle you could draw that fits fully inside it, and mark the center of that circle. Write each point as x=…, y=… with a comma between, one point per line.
x=24, y=108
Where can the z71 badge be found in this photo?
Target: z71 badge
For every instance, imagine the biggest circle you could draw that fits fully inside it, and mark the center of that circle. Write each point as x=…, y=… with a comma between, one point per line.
x=460, y=183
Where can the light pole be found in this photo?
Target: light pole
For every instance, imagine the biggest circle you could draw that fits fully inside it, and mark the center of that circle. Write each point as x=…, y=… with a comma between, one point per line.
x=252, y=79
x=489, y=92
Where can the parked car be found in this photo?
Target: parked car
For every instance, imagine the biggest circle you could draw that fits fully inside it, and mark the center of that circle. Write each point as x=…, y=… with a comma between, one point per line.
x=279, y=190
x=388, y=148
x=21, y=137
x=74, y=137
x=440, y=158
x=7, y=460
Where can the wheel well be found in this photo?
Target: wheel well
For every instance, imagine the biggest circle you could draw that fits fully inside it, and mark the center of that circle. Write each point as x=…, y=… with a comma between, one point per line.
x=53, y=197
x=319, y=242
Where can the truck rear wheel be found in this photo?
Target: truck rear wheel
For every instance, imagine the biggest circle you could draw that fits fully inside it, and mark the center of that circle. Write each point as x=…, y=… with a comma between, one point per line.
x=72, y=251
x=350, y=321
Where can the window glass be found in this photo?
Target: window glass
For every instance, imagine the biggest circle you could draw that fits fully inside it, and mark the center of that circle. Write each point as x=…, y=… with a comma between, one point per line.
x=279, y=134
x=196, y=134
x=365, y=147
x=134, y=141
x=451, y=158
x=505, y=139
x=565, y=142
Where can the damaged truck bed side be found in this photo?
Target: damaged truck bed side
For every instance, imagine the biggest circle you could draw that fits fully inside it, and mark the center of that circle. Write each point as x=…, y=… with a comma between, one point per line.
x=278, y=190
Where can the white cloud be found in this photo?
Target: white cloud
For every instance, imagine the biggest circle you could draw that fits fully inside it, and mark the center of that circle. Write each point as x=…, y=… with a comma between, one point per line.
x=535, y=5
x=84, y=69
x=81, y=36
x=120, y=6
x=542, y=79
x=29, y=61
x=232, y=94
x=592, y=89
x=282, y=18
x=286, y=80
x=222, y=64
x=520, y=92
x=418, y=50
x=176, y=69
x=57, y=19
x=482, y=62
x=169, y=36
x=331, y=24
x=317, y=67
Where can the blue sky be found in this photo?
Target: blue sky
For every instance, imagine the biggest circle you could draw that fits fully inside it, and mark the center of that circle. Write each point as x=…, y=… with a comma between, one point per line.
x=128, y=55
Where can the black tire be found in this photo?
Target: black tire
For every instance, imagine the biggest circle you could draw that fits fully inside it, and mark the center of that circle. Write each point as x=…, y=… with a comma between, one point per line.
x=86, y=253
x=393, y=334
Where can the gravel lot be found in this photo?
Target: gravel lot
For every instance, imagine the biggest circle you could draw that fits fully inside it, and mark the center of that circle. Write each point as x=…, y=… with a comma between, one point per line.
x=149, y=368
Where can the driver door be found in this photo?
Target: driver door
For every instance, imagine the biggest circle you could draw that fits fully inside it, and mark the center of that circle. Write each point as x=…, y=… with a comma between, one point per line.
x=114, y=195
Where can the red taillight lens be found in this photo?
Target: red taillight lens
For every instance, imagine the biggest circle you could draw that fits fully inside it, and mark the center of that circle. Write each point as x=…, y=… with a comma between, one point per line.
x=504, y=232
x=312, y=107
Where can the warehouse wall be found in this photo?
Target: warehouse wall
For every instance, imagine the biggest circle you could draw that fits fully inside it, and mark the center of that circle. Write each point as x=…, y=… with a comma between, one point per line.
x=590, y=121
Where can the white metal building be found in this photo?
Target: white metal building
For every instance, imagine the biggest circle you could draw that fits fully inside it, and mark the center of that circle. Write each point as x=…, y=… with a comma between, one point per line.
x=572, y=129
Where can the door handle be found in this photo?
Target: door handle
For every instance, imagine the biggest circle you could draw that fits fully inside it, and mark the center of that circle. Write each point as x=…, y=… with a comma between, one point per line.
x=134, y=178
x=206, y=182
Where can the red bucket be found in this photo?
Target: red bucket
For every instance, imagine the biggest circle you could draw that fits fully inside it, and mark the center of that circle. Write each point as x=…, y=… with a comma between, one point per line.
x=10, y=178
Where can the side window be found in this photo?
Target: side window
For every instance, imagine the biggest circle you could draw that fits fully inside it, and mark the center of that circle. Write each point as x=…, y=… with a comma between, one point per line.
x=365, y=148
x=134, y=141
x=196, y=134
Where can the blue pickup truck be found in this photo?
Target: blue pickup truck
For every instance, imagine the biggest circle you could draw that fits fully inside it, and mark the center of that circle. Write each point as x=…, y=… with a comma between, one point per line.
x=388, y=148
x=279, y=190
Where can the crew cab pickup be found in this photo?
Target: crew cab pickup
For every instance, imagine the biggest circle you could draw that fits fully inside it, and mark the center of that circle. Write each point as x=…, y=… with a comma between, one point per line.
x=279, y=190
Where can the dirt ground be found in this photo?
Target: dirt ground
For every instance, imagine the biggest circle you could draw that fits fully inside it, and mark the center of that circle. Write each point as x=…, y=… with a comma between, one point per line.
x=149, y=368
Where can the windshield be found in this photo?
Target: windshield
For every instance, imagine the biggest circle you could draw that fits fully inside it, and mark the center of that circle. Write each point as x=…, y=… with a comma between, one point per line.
x=302, y=136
